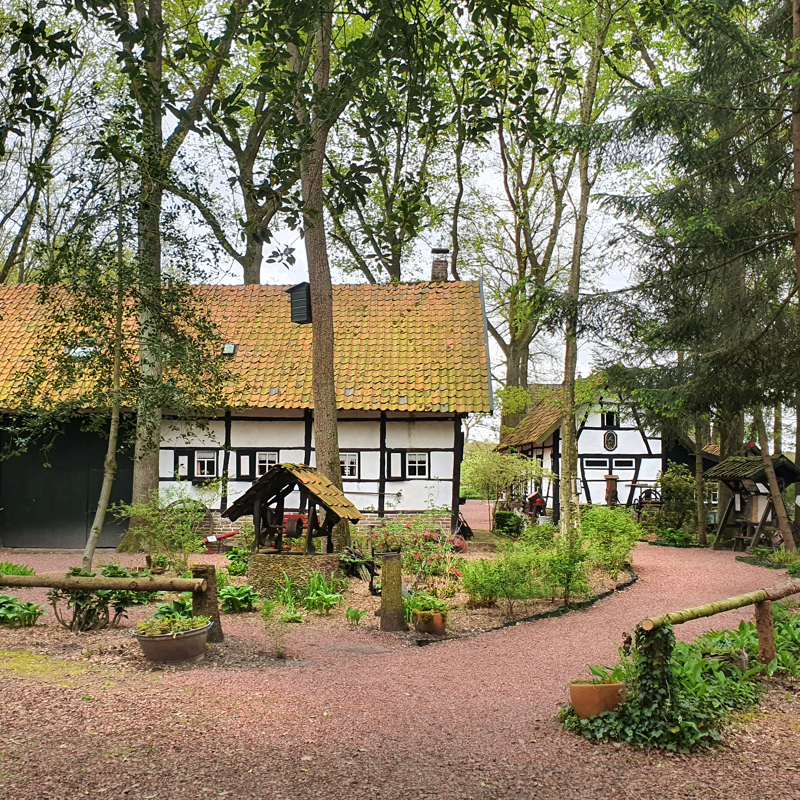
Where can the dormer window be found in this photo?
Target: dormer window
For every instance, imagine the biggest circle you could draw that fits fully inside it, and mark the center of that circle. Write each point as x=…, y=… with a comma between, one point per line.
x=609, y=419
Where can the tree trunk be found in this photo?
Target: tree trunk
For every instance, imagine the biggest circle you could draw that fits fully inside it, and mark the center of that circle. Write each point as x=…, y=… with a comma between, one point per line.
x=326, y=433
x=774, y=489
x=570, y=498
x=110, y=463
x=148, y=418
x=797, y=456
x=700, y=437
x=731, y=436
x=777, y=429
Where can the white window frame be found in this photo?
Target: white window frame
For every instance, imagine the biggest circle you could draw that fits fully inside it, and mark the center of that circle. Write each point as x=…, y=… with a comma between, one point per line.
x=415, y=461
x=348, y=463
x=270, y=459
x=205, y=457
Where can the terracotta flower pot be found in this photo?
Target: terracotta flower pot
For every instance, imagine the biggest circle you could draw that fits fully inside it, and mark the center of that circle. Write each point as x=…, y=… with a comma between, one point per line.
x=169, y=648
x=590, y=699
x=430, y=622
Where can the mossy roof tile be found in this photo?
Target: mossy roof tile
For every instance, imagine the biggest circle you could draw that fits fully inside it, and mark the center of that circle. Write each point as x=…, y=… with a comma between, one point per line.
x=420, y=341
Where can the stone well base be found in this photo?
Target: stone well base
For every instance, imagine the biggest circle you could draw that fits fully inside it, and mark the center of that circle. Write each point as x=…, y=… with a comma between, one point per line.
x=266, y=571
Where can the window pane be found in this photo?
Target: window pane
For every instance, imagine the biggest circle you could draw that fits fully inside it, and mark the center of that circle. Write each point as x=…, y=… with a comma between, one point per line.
x=349, y=464
x=205, y=464
x=264, y=461
x=417, y=465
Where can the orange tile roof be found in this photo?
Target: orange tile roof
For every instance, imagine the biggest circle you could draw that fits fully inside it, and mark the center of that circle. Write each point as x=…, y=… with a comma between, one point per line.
x=400, y=347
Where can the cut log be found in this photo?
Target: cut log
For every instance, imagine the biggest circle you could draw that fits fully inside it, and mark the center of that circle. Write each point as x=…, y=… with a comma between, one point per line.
x=75, y=583
x=708, y=610
x=765, y=625
x=205, y=603
x=392, y=594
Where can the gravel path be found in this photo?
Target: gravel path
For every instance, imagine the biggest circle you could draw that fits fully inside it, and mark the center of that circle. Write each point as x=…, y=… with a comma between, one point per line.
x=472, y=718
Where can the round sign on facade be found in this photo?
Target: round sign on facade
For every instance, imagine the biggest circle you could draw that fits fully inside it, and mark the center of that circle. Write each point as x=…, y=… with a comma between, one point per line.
x=610, y=440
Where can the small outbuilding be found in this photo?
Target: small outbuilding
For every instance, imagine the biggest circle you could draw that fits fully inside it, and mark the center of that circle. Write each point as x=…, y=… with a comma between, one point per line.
x=750, y=511
x=296, y=486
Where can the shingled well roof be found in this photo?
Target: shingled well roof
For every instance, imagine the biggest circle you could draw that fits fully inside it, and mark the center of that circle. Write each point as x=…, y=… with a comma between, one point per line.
x=400, y=347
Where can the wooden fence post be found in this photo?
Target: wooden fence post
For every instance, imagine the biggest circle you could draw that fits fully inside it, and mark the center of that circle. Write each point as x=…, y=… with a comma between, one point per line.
x=765, y=625
x=392, y=594
x=205, y=603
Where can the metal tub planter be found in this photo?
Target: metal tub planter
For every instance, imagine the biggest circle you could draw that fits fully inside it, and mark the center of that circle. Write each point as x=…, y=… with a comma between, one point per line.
x=173, y=641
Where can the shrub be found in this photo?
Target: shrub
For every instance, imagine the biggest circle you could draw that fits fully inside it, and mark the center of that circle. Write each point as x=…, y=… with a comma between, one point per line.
x=510, y=578
x=93, y=610
x=563, y=569
x=17, y=614
x=679, y=538
x=677, y=485
x=222, y=580
x=540, y=537
x=611, y=534
x=479, y=582
x=238, y=599
x=8, y=568
x=507, y=523
x=793, y=570
x=168, y=526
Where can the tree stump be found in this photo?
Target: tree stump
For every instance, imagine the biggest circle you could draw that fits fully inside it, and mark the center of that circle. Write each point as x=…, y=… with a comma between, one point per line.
x=205, y=603
x=392, y=594
x=765, y=625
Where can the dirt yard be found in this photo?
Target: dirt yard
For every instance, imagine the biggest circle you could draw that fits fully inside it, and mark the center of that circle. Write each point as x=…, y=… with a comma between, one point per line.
x=359, y=713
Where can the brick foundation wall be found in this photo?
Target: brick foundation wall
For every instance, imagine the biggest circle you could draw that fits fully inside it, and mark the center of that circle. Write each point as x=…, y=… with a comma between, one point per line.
x=266, y=571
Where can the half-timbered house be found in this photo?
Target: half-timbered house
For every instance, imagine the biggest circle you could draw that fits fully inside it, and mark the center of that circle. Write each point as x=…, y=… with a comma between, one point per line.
x=411, y=362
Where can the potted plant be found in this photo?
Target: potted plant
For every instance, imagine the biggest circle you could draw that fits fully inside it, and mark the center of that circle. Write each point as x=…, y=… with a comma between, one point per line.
x=172, y=640
x=427, y=613
x=605, y=692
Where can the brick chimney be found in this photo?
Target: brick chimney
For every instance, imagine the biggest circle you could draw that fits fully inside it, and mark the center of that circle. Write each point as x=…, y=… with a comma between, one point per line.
x=440, y=264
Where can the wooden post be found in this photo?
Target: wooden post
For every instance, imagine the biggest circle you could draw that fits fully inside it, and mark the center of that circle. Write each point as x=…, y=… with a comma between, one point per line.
x=205, y=603
x=392, y=594
x=765, y=625
x=257, y=523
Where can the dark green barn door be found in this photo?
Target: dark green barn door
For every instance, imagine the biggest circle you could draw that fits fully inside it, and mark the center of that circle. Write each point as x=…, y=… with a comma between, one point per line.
x=53, y=506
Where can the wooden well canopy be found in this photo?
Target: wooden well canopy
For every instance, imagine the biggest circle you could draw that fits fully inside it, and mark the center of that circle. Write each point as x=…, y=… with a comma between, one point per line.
x=738, y=472
x=266, y=501
x=747, y=479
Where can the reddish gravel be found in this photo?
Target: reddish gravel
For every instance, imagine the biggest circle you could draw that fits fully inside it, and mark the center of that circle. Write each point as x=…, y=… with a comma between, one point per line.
x=472, y=718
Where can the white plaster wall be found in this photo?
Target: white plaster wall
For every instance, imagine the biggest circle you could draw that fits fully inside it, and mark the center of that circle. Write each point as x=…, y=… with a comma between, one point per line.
x=182, y=434
x=169, y=489
x=650, y=469
x=420, y=495
x=166, y=463
x=355, y=435
x=370, y=465
x=441, y=465
x=422, y=434
x=293, y=456
x=267, y=435
x=628, y=442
